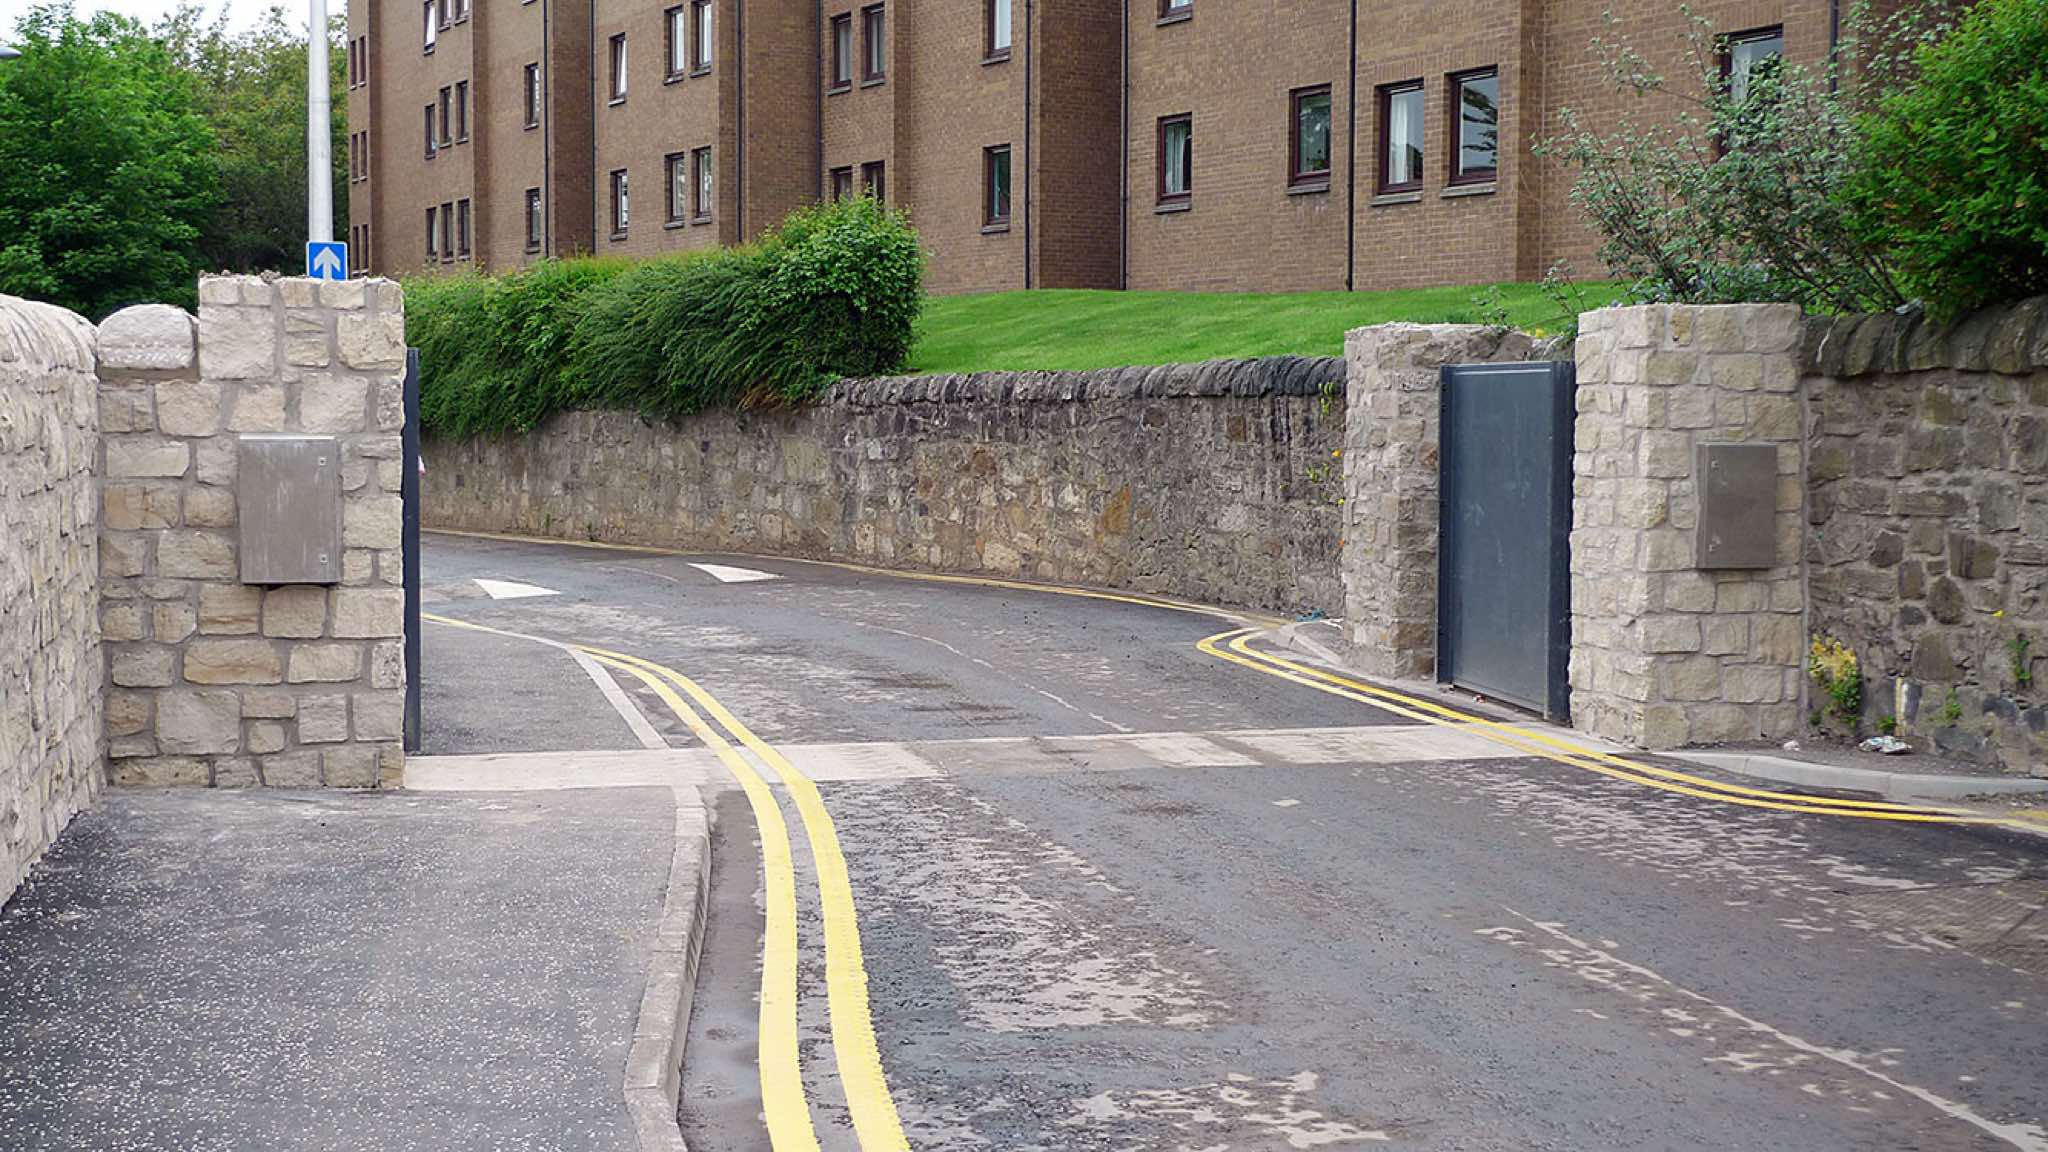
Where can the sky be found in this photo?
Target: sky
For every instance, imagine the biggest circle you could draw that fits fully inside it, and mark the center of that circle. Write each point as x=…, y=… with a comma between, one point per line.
x=241, y=13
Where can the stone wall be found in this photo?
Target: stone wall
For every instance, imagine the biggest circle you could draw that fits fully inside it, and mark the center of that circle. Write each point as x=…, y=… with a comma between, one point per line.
x=50, y=664
x=1391, y=486
x=1928, y=509
x=215, y=681
x=1666, y=652
x=1217, y=482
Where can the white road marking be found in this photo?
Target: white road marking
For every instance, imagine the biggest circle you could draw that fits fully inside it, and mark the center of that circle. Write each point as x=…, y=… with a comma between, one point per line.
x=621, y=703
x=726, y=574
x=512, y=589
x=2028, y=1137
x=973, y=659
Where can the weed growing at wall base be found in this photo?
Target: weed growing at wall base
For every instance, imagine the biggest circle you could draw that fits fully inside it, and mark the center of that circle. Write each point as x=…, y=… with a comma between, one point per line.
x=834, y=291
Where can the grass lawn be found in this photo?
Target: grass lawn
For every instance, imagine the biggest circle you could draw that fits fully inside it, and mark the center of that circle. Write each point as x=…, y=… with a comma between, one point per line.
x=1078, y=329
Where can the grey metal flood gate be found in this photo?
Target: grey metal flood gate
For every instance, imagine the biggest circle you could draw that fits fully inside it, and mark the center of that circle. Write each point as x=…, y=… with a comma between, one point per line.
x=1504, y=539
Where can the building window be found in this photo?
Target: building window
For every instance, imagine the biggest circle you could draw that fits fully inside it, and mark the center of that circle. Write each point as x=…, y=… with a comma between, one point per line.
x=677, y=165
x=1743, y=52
x=700, y=24
x=618, y=57
x=871, y=180
x=446, y=100
x=462, y=227
x=433, y=233
x=447, y=231
x=432, y=28
x=700, y=164
x=355, y=76
x=430, y=132
x=619, y=213
x=995, y=185
x=1475, y=96
x=842, y=51
x=533, y=221
x=461, y=10
x=446, y=17
x=1176, y=9
x=1401, y=137
x=533, y=95
x=1308, y=147
x=1176, y=159
x=462, y=110
x=842, y=184
x=997, y=32
x=874, y=43
x=678, y=42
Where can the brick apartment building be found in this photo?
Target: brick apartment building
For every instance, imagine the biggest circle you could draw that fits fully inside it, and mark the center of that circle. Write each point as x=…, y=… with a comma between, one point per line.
x=1190, y=144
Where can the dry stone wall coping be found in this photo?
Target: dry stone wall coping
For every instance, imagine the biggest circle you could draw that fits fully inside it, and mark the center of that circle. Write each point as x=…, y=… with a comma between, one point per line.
x=2010, y=339
x=1265, y=376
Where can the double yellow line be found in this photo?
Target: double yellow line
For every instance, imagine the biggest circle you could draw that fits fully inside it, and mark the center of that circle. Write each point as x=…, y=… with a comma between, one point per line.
x=1235, y=647
x=783, y=1099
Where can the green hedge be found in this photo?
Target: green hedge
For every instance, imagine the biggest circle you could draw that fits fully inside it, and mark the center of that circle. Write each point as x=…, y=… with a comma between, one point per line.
x=1953, y=172
x=834, y=291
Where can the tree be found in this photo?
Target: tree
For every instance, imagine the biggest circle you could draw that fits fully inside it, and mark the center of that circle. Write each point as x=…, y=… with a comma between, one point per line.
x=108, y=171
x=253, y=90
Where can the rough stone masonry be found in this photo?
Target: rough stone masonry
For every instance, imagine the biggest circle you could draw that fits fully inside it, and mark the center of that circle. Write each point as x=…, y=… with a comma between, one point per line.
x=50, y=664
x=215, y=681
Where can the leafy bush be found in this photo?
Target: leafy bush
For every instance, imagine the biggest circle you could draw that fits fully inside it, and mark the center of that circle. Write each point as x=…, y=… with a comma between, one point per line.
x=1953, y=173
x=1732, y=199
x=832, y=292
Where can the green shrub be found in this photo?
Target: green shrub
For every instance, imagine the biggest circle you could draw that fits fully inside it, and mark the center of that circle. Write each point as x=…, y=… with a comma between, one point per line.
x=832, y=292
x=1953, y=172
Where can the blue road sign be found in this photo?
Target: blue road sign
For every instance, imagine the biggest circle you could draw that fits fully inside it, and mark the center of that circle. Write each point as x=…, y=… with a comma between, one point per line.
x=327, y=259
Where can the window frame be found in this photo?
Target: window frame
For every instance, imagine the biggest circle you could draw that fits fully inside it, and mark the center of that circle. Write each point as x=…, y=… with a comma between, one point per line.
x=445, y=103
x=840, y=78
x=1458, y=176
x=447, y=232
x=532, y=95
x=447, y=16
x=675, y=197
x=433, y=149
x=992, y=52
x=621, y=203
x=874, y=180
x=433, y=233
x=464, y=223
x=675, y=23
x=535, y=227
x=1296, y=176
x=461, y=11
x=703, y=42
x=431, y=34
x=703, y=187
x=839, y=184
x=991, y=221
x=615, y=53
x=1384, y=97
x=1174, y=201
x=1174, y=11
x=1728, y=43
x=462, y=111
x=874, y=44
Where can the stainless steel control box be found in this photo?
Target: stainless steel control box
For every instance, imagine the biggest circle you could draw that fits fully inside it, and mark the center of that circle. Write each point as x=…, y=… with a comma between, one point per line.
x=288, y=493
x=1738, y=495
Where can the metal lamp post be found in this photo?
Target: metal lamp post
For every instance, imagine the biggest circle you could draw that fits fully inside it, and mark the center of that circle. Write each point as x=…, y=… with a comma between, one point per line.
x=319, y=129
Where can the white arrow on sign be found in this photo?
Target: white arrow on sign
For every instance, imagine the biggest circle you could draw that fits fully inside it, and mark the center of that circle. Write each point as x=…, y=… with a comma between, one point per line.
x=327, y=265
x=513, y=589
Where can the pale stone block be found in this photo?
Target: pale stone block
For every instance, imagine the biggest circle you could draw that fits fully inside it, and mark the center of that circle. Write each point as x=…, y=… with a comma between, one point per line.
x=323, y=719
x=143, y=666
x=343, y=295
x=1689, y=678
x=368, y=613
x=1665, y=455
x=127, y=713
x=292, y=770
x=126, y=409
x=1752, y=684
x=235, y=772
x=259, y=408
x=1668, y=369
x=229, y=609
x=1666, y=550
x=390, y=765
x=140, y=457
x=160, y=772
x=390, y=411
x=1670, y=634
x=1773, y=328
x=139, y=507
x=195, y=555
x=199, y=723
x=305, y=340
x=354, y=766
x=271, y=704
x=298, y=292
x=333, y=404
x=210, y=507
x=1736, y=373
x=358, y=566
x=172, y=621
x=387, y=664
x=1664, y=726
x=122, y=620
x=148, y=337
x=129, y=747
x=379, y=715
x=188, y=407
x=371, y=339
x=1780, y=640
x=295, y=610
x=1773, y=418
x=214, y=460
x=232, y=662
x=124, y=554
x=1722, y=723
x=238, y=343
x=1716, y=327
x=325, y=663
x=264, y=737
x=220, y=290
x=1741, y=596
x=1727, y=636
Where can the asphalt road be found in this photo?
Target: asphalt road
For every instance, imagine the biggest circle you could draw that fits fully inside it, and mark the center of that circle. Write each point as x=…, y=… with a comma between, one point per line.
x=1116, y=893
